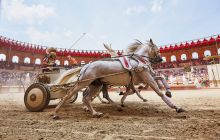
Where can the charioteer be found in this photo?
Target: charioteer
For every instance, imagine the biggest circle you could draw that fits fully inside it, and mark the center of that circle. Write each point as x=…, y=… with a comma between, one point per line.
x=50, y=58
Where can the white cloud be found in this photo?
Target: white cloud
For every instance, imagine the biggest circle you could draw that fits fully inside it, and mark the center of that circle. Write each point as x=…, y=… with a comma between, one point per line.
x=18, y=11
x=68, y=33
x=174, y=2
x=46, y=38
x=135, y=10
x=157, y=6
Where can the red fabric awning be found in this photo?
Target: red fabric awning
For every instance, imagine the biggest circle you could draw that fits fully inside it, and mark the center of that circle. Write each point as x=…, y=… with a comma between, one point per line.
x=192, y=44
x=198, y=43
x=181, y=46
x=218, y=39
x=205, y=41
x=187, y=45
x=211, y=40
x=161, y=49
x=166, y=49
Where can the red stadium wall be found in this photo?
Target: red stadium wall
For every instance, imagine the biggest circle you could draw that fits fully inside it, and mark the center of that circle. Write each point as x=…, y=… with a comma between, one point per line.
x=198, y=46
x=10, y=48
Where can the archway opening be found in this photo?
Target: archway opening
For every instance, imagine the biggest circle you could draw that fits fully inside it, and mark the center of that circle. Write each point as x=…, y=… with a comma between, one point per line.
x=173, y=58
x=66, y=63
x=164, y=59
x=207, y=53
x=195, y=55
x=2, y=57
x=15, y=59
x=27, y=60
x=183, y=57
x=38, y=61
x=57, y=62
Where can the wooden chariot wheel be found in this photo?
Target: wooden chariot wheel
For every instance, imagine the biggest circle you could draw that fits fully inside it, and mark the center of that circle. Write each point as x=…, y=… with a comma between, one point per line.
x=36, y=97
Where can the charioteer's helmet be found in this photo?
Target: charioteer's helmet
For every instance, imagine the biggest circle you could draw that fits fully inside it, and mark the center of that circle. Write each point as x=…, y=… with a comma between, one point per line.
x=50, y=50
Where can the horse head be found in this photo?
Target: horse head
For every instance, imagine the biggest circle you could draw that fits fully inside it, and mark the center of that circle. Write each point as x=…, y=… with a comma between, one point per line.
x=153, y=52
x=148, y=49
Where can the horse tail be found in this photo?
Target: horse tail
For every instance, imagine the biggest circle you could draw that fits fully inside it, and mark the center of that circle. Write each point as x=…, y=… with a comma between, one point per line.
x=69, y=76
x=110, y=50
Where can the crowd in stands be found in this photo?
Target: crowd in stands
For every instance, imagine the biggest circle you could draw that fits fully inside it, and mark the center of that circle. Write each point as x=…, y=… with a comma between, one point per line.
x=177, y=64
x=178, y=76
x=16, y=78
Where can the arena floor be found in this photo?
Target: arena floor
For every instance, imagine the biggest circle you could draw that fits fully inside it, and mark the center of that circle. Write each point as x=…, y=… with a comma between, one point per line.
x=138, y=120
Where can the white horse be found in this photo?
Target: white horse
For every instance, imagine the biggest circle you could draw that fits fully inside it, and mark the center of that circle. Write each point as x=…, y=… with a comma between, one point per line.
x=112, y=73
x=129, y=91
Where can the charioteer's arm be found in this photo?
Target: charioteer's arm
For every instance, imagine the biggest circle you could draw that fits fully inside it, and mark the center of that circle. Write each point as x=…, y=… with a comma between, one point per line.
x=72, y=60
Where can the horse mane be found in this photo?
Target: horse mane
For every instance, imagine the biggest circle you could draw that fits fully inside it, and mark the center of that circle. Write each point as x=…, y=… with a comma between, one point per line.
x=134, y=46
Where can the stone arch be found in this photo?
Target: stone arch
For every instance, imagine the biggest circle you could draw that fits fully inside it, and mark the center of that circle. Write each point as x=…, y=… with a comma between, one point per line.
x=195, y=55
x=38, y=61
x=27, y=60
x=2, y=57
x=173, y=58
x=15, y=59
x=164, y=59
x=183, y=57
x=207, y=53
x=66, y=63
x=57, y=62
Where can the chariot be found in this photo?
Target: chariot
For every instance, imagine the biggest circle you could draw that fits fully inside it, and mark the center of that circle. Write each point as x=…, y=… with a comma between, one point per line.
x=45, y=88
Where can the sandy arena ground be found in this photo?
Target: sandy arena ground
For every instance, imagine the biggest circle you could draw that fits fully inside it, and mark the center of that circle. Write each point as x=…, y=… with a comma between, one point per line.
x=138, y=120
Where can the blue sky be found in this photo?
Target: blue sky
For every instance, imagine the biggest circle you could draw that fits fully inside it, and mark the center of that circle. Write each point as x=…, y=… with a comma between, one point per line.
x=59, y=23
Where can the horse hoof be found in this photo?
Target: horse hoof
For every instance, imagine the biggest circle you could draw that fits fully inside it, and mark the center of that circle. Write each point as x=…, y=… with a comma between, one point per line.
x=119, y=109
x=56, y=117
x=103, y=102
x=122, y=105
x=98, y=115
x=144, y=100
x=179, y=110
x=121, y=93
x=86, y=109
x=168, y=94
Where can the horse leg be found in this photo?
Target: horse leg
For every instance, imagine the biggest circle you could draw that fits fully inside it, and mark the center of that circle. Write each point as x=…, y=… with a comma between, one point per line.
x=152, y=83
x=102, y=101
x=128, y=92
x=70, y=93
x=104, y=90
x=91, y=92
x=106, y=95
x=166, y=86
x=138, y=93
x=85, y=92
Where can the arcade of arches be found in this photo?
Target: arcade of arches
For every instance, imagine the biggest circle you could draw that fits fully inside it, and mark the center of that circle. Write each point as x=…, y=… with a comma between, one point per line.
x=15, y=52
